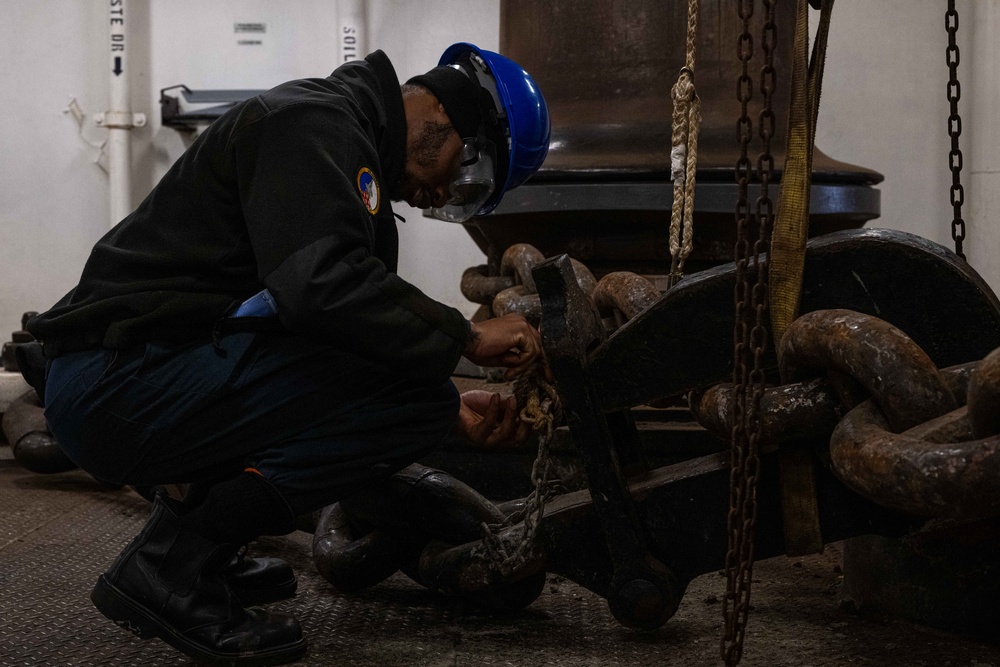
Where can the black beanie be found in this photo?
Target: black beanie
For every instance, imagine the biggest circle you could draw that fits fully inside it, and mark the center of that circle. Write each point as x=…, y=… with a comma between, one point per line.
x=458, y=95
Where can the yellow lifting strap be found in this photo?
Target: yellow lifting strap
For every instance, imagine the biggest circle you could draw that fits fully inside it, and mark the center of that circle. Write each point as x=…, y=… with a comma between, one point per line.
x=787, y=261
x=791, y=225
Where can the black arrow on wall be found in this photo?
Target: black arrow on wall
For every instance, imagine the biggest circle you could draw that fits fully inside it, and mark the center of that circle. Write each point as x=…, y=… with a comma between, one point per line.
x=118, y=66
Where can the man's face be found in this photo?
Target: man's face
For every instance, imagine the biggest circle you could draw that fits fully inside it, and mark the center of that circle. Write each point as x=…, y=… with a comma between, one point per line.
x=433, y=148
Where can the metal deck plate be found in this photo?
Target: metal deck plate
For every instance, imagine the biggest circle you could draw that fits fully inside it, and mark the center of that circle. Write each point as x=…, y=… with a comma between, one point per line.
x=59, y=532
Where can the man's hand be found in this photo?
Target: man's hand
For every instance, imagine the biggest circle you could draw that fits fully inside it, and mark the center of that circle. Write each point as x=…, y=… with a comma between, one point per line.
x=487, y=420
x=504, y=341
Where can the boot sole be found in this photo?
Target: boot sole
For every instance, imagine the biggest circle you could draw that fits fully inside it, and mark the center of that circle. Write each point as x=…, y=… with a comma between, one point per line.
x=143, y=623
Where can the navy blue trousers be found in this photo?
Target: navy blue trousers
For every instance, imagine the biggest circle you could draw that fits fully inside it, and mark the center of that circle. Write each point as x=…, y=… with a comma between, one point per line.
x=317, y=422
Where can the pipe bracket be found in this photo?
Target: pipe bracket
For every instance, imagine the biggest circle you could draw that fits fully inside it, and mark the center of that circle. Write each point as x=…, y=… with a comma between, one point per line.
x=120, y=120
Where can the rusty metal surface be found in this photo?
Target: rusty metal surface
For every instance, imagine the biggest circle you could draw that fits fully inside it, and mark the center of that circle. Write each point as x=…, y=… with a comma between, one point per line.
x=906, y=447
x=909, y=447
x=623, y=295
x=984, y=397
x=518, y=299
x=788, y=413
x=935, y=467
x=921, y=476
x=894, y=370
x=518, y=260
x=478, y=286
x=517, y=263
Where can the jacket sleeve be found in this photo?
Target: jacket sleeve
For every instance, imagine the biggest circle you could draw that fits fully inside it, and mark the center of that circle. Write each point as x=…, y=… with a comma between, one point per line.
x=313, y=237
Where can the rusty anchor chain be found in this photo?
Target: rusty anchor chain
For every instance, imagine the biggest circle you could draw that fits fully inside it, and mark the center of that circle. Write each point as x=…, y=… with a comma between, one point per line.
x=619, y=296
x=890, y=366
x=517, y=263
x=984, y=397
x=351, y=558
x=413, y=522
x=789, y=413
x=478, y=286
x=947, y=466
x=897, y=430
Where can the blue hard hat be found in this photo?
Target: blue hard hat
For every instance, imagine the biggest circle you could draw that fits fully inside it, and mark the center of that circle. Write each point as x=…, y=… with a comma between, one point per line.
x=521, y=117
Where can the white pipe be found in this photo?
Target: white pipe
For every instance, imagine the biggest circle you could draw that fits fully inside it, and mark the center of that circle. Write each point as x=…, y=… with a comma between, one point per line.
x=119, y=119
x=353, y=33
x=119, y=144
x=982, y=138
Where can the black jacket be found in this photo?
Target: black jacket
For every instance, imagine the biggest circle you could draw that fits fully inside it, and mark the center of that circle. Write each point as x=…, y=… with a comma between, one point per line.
x=270, y=195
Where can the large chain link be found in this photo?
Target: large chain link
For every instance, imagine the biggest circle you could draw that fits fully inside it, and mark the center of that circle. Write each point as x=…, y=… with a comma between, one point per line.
x=955, y=129
x=748, y=343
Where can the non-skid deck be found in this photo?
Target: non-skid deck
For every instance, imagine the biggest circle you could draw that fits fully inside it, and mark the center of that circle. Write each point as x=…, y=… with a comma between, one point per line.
x=59, y=532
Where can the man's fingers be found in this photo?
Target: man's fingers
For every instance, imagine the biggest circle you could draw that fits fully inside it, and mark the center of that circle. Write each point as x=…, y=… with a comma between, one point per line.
x=491, y=420
x=503, y=341
x=523, y=432
x=506, y=428
x=492, y=411
x=513, y=370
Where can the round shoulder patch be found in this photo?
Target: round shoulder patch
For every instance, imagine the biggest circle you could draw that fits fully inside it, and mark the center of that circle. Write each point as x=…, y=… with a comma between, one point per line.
x=368, y=187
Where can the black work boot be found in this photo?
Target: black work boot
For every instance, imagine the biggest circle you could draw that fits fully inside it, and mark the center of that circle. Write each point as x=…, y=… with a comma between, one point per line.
x=254, y=579
x=169, y=583
x=259, y=579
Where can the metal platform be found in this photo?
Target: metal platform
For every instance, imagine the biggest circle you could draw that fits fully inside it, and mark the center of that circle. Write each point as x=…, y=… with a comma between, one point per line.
x=59, y=532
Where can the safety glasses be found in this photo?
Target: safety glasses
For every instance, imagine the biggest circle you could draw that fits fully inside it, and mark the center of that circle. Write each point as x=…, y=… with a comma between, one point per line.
x=473, y=181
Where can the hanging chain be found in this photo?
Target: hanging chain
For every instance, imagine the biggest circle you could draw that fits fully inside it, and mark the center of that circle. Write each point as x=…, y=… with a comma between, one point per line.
x=748, y=343
x=955, y=129
x=540, y=408
x=731, y=608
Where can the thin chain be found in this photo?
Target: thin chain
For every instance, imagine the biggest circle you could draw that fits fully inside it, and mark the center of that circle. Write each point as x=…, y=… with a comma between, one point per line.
x=955, y=129
x=732, y=632
x=748, y=343
x=541, y=408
